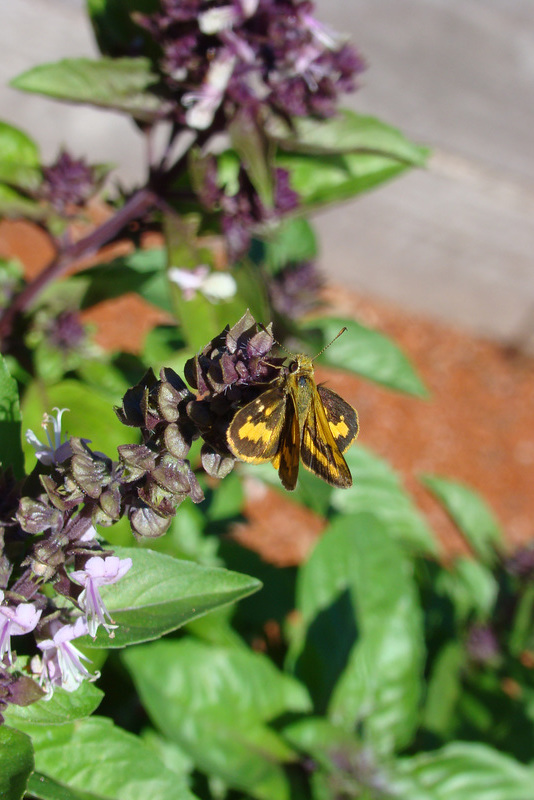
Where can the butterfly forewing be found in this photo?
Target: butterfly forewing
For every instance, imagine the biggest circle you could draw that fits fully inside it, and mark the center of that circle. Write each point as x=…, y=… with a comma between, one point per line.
x=255, y=431
x=342, y=418
x=319, y=451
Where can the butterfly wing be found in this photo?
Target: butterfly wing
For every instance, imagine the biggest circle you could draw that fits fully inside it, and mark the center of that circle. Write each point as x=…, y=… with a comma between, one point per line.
x=286, y=460
x=319, y=451
x=342, y=418
x=254, y=433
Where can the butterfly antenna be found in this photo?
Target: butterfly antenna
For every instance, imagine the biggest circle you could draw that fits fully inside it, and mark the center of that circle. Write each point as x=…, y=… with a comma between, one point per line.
x=262, y=326
x=343, y=329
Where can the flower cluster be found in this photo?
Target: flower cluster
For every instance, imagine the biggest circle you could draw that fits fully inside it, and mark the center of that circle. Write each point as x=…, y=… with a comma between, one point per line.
x=294, y=291
x=49, y=549
x=242, y=210
x=68, y=182
x=229, y=372
x=52, y=563
x=252, y=55
x=156, y=475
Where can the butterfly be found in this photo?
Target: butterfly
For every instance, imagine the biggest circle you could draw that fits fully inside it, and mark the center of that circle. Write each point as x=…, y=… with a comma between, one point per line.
x=296, y=419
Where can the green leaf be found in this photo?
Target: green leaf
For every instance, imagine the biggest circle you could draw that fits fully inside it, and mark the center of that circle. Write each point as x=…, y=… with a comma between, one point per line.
x=103, y=762
x=172, y=756
x=358, y=582
x=365, y=352
x=62, y=707
x=348, y=132
x=214, y=702
x=13, y=205
x=10, y=422
x=120, y=84
x=90, y=416
x=114, y=27
x=324, y=179
x=16, y=763
x=521, y=633
x=377, y=488
x=164, y=347
x=471, y=514
x=255, y=152
x=102, y=374
x=46, y=788
x=142, y=271
x=318, y=737
x=472, y=588
x=160, y=594
x=444, y=688
x=19, y=158
x=292, y=241
x=463, y=770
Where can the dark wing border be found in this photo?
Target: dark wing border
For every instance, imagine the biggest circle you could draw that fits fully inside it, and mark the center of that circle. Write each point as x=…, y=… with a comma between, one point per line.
x=338, y=411
x=319, y=451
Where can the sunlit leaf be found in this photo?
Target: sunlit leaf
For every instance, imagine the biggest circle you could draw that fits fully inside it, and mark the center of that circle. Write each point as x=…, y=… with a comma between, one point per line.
x=215, y=702
x=103, y=762
x=471, y=514
x=160, y=594
x=378, y=489
x=16, y=763
x=364, y=351
x=463, y=770
x=120, y=84
x=10, y=422
x=361, y=648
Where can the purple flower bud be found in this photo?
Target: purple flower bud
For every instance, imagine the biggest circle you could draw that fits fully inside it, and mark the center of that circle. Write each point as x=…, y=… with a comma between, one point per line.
x=65, y=331
x=482, y=645
x=69, y=181
x=521, y=563
x=294, y=291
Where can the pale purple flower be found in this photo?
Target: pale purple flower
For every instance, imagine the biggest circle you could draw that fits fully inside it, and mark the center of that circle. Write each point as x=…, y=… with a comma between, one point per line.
x=89, y=535
x=219, y=18
x=56, y=451
x=98, y=571
x=15, y=621
x=62, y=661
x=203, y=104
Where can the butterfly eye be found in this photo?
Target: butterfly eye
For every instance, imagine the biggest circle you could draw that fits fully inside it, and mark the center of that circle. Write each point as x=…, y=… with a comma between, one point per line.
x=293, y=367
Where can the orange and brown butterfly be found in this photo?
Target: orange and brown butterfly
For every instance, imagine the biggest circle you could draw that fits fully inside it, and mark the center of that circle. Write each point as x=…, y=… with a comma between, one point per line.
x=293, y=419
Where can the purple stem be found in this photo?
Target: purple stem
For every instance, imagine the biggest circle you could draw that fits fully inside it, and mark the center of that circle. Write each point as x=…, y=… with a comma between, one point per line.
x=137, y=205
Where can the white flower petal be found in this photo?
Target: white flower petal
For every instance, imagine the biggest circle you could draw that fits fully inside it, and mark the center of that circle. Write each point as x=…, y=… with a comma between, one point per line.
x=219, y=286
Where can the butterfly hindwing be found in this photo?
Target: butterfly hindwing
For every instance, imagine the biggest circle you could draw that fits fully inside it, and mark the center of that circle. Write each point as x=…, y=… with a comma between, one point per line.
x=286, y=460
x=319, y=451
x=255, y=432
x=342, y=418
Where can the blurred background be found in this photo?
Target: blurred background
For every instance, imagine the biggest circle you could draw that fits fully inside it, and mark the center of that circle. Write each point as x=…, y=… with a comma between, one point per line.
x=455, y=242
